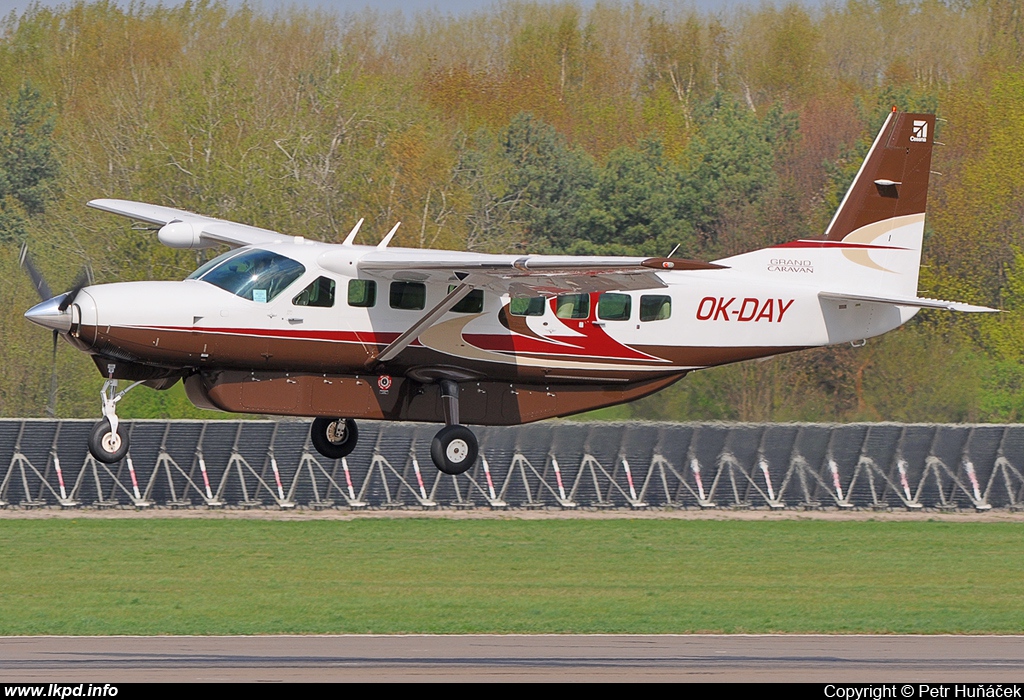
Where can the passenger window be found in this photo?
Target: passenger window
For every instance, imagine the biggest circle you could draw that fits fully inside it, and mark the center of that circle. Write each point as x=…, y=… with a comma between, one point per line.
x=320, y=292
x=526, y=306
x=614, y=307
x=573, y=306
x=472, y=303
x=362, y=293
x=655, y=307
x=411, y=296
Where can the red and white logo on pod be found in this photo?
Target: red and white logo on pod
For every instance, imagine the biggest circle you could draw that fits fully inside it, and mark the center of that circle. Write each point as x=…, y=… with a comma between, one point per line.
x=384, y=382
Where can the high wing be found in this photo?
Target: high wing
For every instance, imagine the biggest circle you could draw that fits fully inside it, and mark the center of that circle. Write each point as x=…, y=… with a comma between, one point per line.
x=519, y=275
x=516, y=274
x=185, y=229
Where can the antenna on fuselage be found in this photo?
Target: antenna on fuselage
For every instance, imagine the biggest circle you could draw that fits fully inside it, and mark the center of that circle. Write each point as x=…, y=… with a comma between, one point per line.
x=352, y=234
x=387, y=238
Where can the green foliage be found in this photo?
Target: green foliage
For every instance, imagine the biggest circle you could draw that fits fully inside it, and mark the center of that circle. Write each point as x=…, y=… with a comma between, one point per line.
x=1004, y=333
x=28, y=164
x=732, y=162
x=791, y=66
x=635, y=207
x=493, y=223
x=553, y=178
x=640, y=202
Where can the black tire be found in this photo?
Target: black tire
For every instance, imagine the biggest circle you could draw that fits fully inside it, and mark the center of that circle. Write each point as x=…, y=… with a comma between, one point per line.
x=106, y=446
x=454, y=449
x=334, y=438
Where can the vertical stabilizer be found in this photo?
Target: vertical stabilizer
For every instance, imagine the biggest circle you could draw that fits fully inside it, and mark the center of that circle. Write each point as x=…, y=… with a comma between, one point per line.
x=881, y=218
x=893, y=180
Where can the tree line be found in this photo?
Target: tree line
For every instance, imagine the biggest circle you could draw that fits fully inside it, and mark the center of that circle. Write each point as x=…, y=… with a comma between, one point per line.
x=532, y=127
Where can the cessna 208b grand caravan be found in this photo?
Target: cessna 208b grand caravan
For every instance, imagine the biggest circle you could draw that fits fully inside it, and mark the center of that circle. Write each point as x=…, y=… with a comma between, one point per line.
x=284, y=325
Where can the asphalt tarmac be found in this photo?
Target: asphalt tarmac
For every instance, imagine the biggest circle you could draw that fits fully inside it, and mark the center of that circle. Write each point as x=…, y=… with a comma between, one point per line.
x=602, y=658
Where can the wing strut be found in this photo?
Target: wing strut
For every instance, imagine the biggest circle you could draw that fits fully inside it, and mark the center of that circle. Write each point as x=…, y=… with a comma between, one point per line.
x=402, y=342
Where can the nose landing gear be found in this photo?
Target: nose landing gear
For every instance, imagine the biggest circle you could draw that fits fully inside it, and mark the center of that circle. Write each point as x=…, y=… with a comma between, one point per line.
x=108, y=444
x=108, y=441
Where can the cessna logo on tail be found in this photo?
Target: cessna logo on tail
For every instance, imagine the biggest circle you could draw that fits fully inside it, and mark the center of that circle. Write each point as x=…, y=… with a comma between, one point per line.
x=920, y=133
x=749, y=309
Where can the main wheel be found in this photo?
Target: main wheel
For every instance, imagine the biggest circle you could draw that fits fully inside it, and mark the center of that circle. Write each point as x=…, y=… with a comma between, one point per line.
x=106, y=445
x=334, y=438
x=454, y=449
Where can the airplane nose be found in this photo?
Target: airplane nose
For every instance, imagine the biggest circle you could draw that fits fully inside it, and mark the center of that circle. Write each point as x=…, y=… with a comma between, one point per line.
x=49, y=315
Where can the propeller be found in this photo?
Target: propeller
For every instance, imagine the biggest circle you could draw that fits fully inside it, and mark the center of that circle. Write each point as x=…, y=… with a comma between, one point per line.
x=40, y=285
x=83, y=279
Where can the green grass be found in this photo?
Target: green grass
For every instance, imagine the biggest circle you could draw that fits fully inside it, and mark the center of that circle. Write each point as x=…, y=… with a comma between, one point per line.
x=453, y=576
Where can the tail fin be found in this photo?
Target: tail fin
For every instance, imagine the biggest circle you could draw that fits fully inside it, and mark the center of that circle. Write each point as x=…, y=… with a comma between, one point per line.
x=881, y=218
x=872, y=247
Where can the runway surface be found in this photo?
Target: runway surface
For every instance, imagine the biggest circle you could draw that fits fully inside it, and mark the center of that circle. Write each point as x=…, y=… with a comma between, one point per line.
x=629, y=658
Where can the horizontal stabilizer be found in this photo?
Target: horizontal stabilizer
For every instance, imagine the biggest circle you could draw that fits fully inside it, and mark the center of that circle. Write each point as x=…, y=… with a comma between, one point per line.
x=919, y=302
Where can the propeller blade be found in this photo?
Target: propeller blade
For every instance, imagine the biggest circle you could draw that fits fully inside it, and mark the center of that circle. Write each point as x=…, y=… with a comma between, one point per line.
x=41, y=287
x=84, y=278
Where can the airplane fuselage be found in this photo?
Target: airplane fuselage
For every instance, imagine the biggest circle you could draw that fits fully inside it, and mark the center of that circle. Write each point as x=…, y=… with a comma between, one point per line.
x=518, y=360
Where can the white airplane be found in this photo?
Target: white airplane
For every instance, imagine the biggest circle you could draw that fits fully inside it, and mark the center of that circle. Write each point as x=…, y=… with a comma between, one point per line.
x=284, y=325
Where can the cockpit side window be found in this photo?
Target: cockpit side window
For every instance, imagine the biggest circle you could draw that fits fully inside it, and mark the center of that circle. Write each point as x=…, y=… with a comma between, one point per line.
x=257, y=275
x=320, y=292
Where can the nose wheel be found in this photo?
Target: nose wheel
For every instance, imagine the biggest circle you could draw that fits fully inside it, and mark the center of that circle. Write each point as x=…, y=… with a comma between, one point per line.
x=108, y=441
x=108, y=445
x=334, y=438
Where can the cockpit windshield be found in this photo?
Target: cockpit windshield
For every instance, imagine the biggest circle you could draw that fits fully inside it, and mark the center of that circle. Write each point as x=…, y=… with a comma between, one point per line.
x=210, y=264
x=257, y=275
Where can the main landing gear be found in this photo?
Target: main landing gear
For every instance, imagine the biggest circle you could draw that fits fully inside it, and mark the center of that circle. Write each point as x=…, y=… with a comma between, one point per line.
x=108, y=441
x=334, y=438
x=454, y=449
